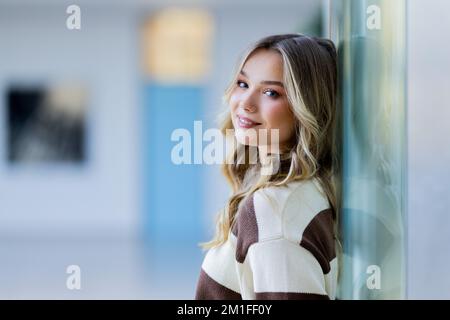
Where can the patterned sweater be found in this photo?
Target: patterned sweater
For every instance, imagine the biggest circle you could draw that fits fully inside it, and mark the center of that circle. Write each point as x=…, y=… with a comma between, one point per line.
x=281, y=247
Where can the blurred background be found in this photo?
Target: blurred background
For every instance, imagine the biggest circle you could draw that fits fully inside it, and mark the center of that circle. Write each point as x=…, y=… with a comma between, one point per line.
x=86, y=118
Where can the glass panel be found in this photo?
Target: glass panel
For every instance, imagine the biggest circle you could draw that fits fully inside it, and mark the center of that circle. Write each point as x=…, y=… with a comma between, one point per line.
x=370, y=36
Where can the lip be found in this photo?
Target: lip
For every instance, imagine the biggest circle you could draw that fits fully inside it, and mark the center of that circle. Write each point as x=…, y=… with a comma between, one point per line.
x=245, y=122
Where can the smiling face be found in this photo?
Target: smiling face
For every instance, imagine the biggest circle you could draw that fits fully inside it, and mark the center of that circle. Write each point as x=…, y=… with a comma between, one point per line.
x=259, y=101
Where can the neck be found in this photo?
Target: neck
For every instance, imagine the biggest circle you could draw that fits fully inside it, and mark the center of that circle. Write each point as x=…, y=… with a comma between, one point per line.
x=271, y=156
x=265, y=154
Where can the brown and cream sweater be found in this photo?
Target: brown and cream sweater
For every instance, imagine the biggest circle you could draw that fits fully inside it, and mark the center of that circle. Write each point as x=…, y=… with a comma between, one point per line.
x=281, y=247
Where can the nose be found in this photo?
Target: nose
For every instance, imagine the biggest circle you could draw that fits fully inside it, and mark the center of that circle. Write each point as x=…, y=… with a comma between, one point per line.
x=249, y=103
x=250, y=108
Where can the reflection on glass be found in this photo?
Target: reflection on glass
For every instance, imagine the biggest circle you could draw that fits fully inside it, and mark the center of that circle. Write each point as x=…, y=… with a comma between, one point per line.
x=370, y=36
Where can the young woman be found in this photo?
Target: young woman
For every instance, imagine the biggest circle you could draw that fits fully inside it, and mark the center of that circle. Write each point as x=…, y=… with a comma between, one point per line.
x=276, y=237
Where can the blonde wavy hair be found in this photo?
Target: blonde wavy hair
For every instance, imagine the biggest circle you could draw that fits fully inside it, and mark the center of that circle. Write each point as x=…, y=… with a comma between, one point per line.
x=310, y=80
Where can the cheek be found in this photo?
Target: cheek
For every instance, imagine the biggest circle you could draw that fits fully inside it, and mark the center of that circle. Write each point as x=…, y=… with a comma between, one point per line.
x=278, y=116
x=233, y=102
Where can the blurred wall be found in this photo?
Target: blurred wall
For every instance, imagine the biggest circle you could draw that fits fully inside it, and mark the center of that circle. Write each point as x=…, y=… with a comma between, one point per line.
x=429, y=149
x=101, y=195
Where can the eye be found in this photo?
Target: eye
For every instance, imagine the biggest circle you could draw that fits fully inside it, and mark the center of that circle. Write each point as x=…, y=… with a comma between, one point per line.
x=271, y=93
x=241, y=84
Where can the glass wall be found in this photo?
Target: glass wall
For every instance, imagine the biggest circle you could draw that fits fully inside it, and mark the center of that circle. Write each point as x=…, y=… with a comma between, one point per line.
x=370, y=37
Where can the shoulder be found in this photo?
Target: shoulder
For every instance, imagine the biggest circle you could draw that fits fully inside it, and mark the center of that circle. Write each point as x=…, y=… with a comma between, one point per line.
x=299, y=212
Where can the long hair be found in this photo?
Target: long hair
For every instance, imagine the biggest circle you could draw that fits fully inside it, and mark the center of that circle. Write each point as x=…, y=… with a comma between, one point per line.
x=310, y=79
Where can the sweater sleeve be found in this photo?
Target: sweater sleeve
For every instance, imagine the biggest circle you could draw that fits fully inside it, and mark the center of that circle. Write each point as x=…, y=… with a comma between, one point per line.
x=282, y=269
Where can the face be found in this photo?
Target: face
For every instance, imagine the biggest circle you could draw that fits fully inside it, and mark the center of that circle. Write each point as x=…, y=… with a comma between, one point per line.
x=258, y=101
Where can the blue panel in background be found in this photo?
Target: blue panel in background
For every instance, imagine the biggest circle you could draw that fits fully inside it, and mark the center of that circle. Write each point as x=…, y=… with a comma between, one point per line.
x=173, y=193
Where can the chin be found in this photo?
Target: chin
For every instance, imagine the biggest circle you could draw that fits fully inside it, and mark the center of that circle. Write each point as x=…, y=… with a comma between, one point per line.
x=244, y=139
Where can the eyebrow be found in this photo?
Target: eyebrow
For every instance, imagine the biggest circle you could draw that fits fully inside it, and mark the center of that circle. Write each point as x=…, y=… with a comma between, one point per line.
x=277, y=83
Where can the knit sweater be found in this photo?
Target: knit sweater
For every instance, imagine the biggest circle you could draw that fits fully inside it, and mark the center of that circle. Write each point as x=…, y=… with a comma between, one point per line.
x=282, y=246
